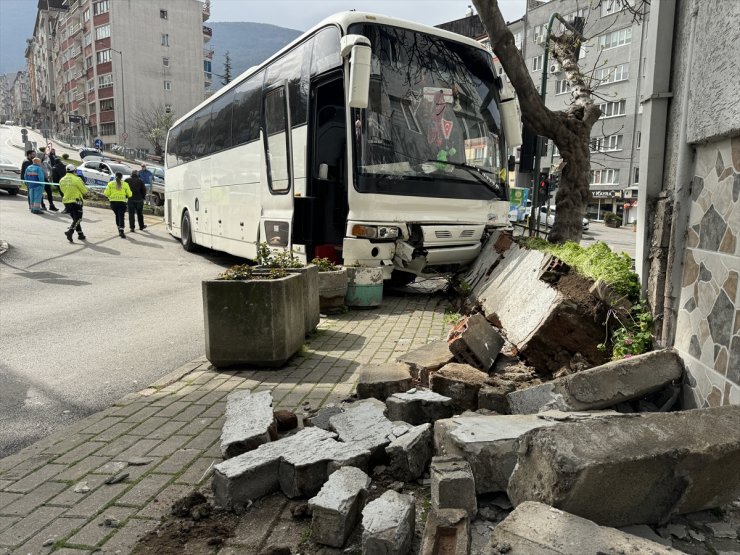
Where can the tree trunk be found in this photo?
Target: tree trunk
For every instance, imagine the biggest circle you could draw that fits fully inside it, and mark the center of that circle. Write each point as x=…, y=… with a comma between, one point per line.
x=572, y=195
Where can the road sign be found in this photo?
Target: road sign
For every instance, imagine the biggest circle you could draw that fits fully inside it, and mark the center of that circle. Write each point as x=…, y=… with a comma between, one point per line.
x=124, y=136
x=98, y=143
x=75, y=119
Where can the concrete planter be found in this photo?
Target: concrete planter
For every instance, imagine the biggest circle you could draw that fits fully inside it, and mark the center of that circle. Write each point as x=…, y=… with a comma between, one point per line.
x=258, y=322
x=612, y=223
x=332, y=290
x=311, y=294
x=364, y=287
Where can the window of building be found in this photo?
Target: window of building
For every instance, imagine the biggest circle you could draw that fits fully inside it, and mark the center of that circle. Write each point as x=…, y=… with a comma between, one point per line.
x=102, y=32
x=609, y=143
x=561, y=86
x=616, y=38
x=168, y=108
x=539, y=34
x=106, y=105
x=609, y=7
x=100, y=7
x=88, y=39
x=105, y=80
x=107, y=128
x=537, y=63
x=638, y=140
x=86, y=15
x=168, y=85
x=613, y=74
x=103, y=56
x=88, y=62
x=165, y=39
x=517, y=40
x=165, y=61
x=605, y=177
x=613, y=109
x=162, y=14
x=636, y=176
x=91, y=85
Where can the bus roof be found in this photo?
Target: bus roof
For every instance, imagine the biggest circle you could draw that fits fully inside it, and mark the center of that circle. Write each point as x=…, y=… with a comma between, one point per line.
x=343, y=20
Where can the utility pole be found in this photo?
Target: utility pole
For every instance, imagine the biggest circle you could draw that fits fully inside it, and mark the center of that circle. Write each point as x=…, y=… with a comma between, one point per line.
x=123, y=135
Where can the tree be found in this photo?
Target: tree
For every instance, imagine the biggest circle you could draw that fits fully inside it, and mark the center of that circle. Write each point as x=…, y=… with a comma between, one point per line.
x=153, y=123
x=227, y=69
x=569, y=129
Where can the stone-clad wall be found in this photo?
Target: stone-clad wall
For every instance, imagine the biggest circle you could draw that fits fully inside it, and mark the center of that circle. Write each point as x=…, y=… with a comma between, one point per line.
x=708, y=325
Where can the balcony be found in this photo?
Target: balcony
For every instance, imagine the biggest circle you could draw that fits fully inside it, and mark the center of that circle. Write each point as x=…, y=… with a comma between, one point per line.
x=206, y=10
x=208, y=77
x=207, y=33
x=208, y=54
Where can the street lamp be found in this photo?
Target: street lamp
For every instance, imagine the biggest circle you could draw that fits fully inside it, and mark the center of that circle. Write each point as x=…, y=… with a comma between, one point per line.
x=124, y=135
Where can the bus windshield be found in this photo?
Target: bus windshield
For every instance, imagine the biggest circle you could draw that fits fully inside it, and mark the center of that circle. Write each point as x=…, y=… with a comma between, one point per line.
x=432, y=126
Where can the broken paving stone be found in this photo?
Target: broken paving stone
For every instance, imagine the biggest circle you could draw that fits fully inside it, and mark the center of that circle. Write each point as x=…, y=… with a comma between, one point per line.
x=461, y=383
x=116, y=479
x=697, y=536
x=677, y=463
x=409, y=455
x=388, y=524
x=494, y=397
x=678, y=531
x=321, y=418
x=426, y=360
x=48, y=542
x=81, y=487
x=722, y=530
x=476, y=342
x=249, y=419
x=336, y=508
x=418, y=406
x=447, y=531
x=138, y=461
x=286, y=420
x=453, y=485
x=365, y=424
x=110, y=522
x=538, y=528
x=603, y=386
x=380, y=381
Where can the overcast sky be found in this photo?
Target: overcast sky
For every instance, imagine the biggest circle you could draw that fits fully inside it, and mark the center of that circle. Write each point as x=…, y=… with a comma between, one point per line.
x=17, y=16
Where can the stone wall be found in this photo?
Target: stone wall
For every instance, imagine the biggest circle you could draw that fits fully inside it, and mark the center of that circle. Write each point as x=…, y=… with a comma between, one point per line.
x=708, y=325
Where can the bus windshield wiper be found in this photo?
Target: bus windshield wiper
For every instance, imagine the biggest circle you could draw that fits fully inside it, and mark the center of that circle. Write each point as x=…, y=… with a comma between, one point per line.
x=475, y=171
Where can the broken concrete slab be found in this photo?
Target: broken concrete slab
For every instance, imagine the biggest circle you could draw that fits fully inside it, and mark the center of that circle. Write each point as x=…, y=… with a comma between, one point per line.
x=388, y=524
x=321, y=418
x=365, y=424
x=447, y=532
x=603, y=386
x=460, y=382
x=409, y=454
x=418, y=407
x=675, y=463
x=380, y=381
x=539, y=528
x=474, y=341
x=494, y=397
x=297, y=465
x=453, y=485
x=336, y=508
x=249, y=418
x=426, y=360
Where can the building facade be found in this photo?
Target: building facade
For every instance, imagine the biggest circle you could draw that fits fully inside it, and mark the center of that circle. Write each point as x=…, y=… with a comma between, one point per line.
x=6, y=97
x=115, y=60
x=21, y=107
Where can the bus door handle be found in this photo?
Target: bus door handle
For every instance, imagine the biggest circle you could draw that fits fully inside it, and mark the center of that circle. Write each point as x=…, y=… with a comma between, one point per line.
x=219, y=221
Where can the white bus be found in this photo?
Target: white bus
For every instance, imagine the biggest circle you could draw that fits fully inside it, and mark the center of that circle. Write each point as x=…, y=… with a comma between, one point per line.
x=370, y=140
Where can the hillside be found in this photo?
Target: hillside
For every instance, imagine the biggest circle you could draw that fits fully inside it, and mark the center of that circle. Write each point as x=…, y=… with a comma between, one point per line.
x=248, y=44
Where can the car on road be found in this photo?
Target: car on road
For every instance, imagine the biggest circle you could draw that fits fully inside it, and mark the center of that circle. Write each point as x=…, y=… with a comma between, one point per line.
x=157, y=185
x=10, y=173
x=10, y=122
x=86, y=152
x=549, y=218
x=98, y=173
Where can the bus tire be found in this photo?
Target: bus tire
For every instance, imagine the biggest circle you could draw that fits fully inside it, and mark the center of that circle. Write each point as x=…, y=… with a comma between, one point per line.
x=186, y=237
x=400, y=279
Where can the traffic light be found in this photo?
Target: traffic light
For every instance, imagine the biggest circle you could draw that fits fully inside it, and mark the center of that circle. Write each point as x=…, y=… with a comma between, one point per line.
x=544, y=182
x=554, y=181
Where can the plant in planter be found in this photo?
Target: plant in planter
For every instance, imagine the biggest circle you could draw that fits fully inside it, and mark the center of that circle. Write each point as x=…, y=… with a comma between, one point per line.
x=332, y=285
x=253, y=316
x=286, y=260
x=612, y=220
x=364, y=286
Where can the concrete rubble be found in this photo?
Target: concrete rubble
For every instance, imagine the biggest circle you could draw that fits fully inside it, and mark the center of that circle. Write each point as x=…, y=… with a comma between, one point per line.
x=388, y=524
x=249, y=419
x=635, y=469
x=453, y=485
x=337, y=507
x=447, y=532
x=426, y=360
x=460, y=382
x=418, y=406
x=538, y=528
x=409, y=455
x=474, y=341
x=380, y=381
x=495, y=397
x=321, y=418
x=603, y=386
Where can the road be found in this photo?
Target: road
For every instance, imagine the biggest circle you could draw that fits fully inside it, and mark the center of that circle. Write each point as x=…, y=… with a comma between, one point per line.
x=83, y=324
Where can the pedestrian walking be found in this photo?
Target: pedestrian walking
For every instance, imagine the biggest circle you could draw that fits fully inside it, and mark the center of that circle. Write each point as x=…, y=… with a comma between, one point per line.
x=118, y=192
x=58, y=171
x=136, y=202
x=73, y=191
x=30, y=155
x=34, y=177
x=147, y=177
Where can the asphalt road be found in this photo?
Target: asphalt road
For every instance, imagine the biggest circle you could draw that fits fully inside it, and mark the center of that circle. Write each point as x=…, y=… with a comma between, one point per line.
x=83, y=324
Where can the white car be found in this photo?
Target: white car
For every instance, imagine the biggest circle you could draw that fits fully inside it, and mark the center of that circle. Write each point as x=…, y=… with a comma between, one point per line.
x=157, y=185
x=98, y=173
x=10, y=173
x=550, y=219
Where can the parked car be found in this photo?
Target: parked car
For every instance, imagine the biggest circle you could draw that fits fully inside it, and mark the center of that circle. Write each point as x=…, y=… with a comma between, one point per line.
x=86, y=152
x=9, y=174
x=10, y=122
x=157, y=185
x=550, y=218
x=97, y=172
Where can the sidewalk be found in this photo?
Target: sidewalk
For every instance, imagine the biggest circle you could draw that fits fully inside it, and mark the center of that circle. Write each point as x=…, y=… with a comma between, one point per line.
x=176, y=423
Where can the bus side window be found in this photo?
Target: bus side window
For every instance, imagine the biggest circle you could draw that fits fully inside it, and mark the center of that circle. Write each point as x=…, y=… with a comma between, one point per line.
x=276, y=126
x=246, y=113
x=325, y=54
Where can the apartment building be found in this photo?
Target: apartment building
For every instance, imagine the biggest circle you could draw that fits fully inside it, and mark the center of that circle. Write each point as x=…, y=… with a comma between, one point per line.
x=6, y=97
x=21, y=107
x=113, y=60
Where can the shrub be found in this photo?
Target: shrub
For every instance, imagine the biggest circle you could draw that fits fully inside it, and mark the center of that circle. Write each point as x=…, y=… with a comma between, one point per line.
x=611, y=217
x=324, y=265
x=245, y=272
x=284, y=259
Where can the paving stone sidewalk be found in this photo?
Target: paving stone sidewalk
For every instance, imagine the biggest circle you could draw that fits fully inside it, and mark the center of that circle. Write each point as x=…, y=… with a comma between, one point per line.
x=177, y=422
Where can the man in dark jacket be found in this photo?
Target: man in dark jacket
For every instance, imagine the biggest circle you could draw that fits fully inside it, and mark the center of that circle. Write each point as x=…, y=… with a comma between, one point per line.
x=136, y=201
x=58, y=171
x=30, y=155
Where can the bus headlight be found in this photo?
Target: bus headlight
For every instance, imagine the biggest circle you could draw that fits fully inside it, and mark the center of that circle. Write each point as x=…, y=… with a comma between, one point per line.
x=375, y=231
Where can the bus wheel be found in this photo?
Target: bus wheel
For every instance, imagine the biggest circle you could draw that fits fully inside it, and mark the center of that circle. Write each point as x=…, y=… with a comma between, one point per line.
x=187, y=237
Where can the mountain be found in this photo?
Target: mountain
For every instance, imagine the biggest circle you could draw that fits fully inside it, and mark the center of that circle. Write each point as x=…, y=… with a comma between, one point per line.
x=248, y=44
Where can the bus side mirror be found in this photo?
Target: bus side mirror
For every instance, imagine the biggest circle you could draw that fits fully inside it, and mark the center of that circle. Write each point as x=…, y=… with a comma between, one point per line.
x=510, y=116
x=358, y=49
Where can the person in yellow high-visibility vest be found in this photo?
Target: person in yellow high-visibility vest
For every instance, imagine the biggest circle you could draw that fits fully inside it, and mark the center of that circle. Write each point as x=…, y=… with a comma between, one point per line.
x=118, y=193
x=73, y=190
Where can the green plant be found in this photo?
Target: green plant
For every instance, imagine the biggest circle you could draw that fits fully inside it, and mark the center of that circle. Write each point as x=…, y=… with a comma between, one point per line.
x=270, y=259
x=245, y=272
x=611, y=217
x=324, y=265
x=461, y=287
x=634, y=337
x=451, y=317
